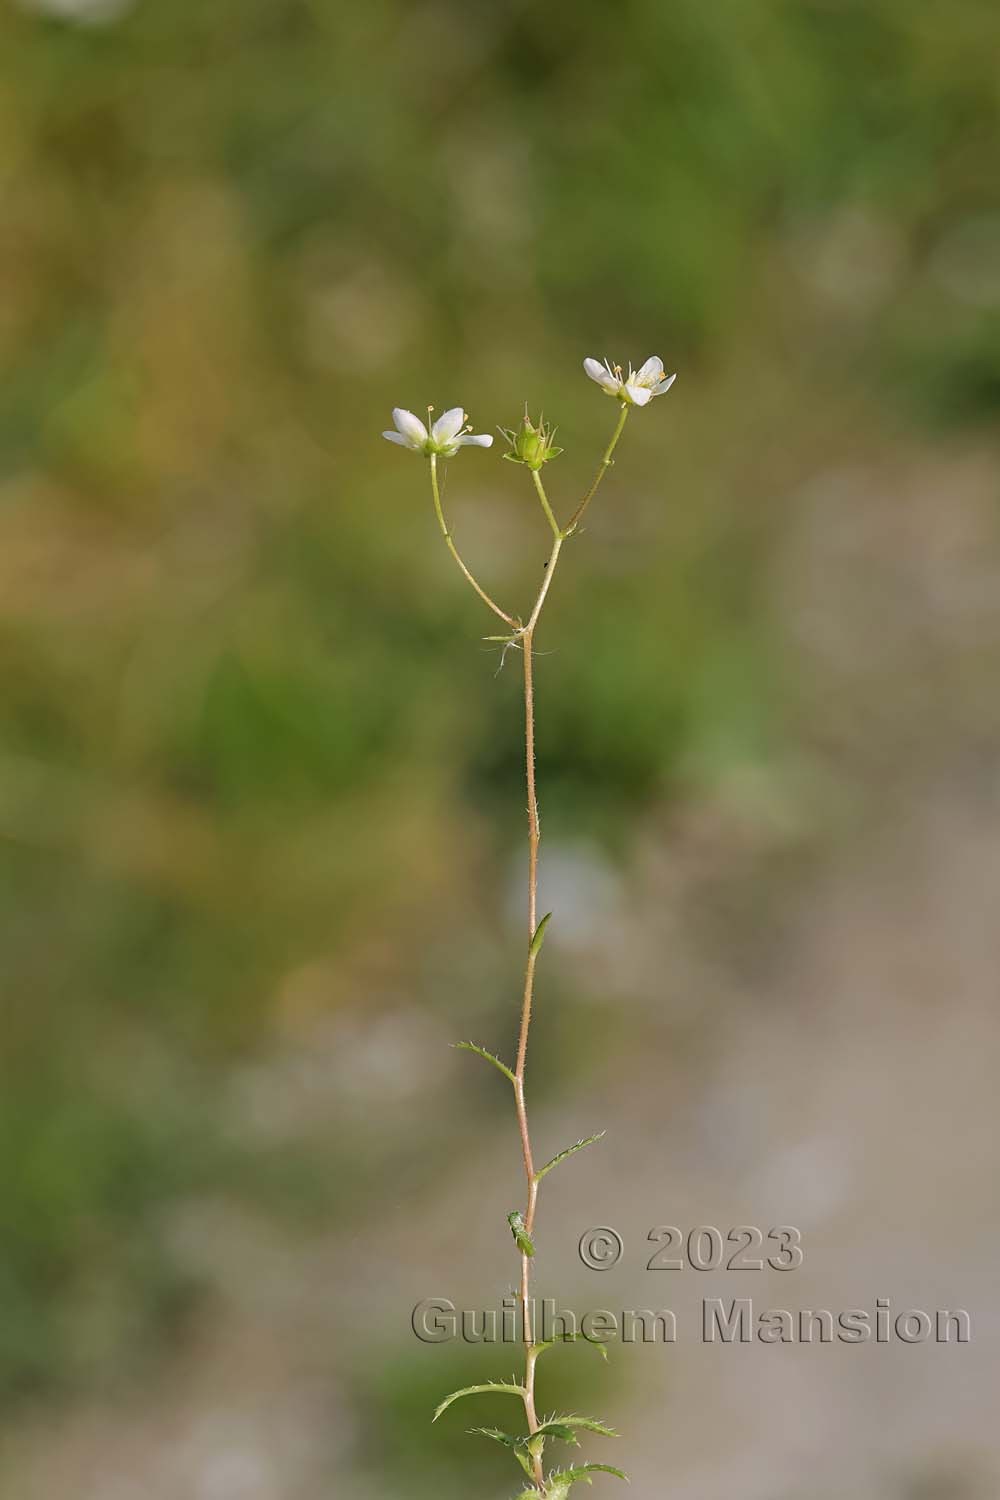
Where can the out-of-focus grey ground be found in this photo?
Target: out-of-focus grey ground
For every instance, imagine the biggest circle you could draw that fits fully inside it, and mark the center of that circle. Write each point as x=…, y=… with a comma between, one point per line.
x=260, y=797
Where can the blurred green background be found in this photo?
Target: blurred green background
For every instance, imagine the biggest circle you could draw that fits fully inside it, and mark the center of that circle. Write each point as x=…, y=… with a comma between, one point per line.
x=261, y=813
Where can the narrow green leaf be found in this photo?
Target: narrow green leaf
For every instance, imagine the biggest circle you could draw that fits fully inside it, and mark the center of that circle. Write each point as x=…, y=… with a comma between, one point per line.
x=573, y=1338
x=525, y=1243
x=539, y=936
x=497, y=1434
x=588, y=1424
x=574, y=1476
x=482, y=1052
x=561, y=1430
x=570, y=1151
x=492, y=1387
x=525, y=1463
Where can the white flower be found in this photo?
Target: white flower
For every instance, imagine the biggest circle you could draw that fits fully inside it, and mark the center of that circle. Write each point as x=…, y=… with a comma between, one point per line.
x=447, y=435
x=635, y=389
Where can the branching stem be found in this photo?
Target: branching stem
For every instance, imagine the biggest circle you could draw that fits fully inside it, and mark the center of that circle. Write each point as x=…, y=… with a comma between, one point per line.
x=527, y=636
x=534, y=839
x=524, y=636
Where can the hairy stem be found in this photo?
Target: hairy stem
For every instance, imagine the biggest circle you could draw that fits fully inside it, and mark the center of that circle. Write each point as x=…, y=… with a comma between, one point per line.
x=527, y=641
x=550, y=568
x=602, y=469
x=524, y=636
x=509, y=619
x=534, y=837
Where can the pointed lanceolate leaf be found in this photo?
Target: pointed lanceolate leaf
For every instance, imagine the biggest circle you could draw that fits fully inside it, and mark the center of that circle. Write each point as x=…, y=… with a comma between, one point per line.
x=570, y=1151
x=538, y=936
x=587, y=1424
x=497, y=1434
x=482, y=1052
x=573, y=1476
x=525, y=1243
x=561, y=1430
x=492, y=1387
x=573, y=1338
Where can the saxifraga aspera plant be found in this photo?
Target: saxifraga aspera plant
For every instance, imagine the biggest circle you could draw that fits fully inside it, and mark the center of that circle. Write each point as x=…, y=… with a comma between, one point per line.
x=531, y=445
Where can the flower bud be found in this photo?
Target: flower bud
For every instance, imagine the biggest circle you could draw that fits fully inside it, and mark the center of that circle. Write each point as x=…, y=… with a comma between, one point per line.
x=529, y=444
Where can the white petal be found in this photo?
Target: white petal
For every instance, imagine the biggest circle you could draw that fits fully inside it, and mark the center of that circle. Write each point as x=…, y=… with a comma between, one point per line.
x=638, y=394
x=664, y=385
x=411, y=427
x=651, y=371
x=448, y=424
x=396, y=437
x=477, y=440
x=602, y=375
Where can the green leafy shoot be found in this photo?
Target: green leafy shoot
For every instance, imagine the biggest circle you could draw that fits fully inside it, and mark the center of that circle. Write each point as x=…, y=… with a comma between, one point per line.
x=539, y=936
x=492, y=1387
x=570, y=1151
x=482, y=1052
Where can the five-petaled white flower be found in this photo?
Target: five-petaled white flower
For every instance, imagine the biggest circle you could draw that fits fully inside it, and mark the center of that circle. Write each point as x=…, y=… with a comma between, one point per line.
x=447, y=434
x=637, y=387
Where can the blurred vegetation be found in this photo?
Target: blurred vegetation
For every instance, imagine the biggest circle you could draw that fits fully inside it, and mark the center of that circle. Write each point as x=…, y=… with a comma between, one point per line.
x=251, y=744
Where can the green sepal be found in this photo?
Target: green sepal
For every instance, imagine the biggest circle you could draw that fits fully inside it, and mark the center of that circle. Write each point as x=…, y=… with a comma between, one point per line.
x=530, y=445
